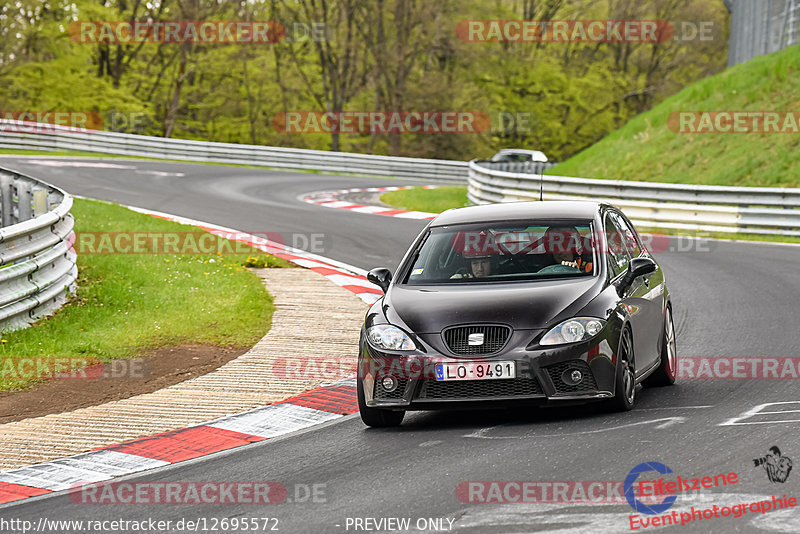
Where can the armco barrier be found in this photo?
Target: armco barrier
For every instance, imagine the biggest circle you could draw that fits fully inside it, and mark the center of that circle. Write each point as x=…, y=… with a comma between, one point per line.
x=521, y=167
x=37, y=261
x=33, y=136
x=746, y=210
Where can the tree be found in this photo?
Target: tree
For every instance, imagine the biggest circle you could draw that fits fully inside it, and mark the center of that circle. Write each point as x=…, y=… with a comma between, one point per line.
x=340, y=58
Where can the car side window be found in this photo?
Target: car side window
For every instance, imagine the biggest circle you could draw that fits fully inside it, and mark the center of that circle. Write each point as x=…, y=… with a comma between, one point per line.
x=617, y=254
x=630, y=242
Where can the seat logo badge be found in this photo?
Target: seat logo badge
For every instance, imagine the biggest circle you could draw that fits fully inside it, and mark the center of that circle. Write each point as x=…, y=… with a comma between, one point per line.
x=475, y=339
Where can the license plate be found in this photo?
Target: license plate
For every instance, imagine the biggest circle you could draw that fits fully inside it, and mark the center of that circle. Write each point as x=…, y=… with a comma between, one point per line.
x=475, y=370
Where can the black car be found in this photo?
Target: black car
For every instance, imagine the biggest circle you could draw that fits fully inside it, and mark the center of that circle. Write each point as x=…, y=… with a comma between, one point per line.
x=530, y=302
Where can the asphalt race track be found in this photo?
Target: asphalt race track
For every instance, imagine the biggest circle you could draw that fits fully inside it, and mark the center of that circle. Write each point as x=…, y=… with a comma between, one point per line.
x=730, y=299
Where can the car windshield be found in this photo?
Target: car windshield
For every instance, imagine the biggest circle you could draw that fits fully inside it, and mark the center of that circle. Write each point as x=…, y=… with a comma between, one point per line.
x=494, y=252
x=511, y=156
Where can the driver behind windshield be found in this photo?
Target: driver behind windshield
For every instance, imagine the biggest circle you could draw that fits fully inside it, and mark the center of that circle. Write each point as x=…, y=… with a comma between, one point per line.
x=563, y=243
x=481, y=267
x=477, y=249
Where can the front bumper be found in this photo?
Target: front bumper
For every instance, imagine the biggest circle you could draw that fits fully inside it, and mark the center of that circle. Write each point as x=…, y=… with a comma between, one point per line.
x=538, y=378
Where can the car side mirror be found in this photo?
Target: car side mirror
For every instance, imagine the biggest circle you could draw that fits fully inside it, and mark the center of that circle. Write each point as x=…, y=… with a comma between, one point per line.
x=636, y=268
x=380, y=276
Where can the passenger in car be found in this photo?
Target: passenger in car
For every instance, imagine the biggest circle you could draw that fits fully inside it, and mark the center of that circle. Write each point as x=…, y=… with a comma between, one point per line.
x=564, y=246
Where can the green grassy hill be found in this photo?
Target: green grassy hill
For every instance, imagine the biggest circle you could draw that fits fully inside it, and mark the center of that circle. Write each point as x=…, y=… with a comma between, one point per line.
x=647, y=149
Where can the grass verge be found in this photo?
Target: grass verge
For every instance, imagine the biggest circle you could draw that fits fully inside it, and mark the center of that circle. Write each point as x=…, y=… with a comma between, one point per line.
x=428, y=200
x=649, y=147
x=127, y=303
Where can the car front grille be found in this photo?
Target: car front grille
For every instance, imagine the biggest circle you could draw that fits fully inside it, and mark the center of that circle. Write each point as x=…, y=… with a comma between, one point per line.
x=494, y=338
x=480, y=389
x=382, y=394
x=587, y=383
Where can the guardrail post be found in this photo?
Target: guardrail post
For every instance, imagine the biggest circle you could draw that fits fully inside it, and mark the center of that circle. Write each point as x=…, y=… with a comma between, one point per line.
x=6, y=197
x=40, y=201
x=24, y=201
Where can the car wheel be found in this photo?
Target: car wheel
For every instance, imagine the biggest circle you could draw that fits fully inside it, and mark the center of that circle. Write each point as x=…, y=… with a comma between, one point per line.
x=376, y=417
x=625, y=385
x=668, y=367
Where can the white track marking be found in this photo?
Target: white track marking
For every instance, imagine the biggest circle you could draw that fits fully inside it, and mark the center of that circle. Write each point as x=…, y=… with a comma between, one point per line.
x=757, y=410
x=415, y=215
x=369, y=298
x=274, y=420
x=344, y=280
x=370, y=209
x=674, y=408
x=666, y=422
x=162, y=174
x=94, y=466
x=336, y=204
x=84, y=164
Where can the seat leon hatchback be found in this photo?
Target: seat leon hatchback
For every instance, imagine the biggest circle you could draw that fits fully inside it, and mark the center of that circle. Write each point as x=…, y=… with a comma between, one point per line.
x=520, y=303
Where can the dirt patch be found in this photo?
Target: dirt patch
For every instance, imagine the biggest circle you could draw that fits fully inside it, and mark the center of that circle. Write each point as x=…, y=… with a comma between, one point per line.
x=149, y=372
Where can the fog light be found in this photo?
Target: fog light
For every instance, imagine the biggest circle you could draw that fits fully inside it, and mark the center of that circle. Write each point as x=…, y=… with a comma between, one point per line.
x=572, y=377
x=389, y=384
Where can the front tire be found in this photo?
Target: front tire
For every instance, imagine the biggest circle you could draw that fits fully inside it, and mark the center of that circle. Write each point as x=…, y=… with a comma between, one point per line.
x=376, y=417
x=625, y=384
x=668, y=367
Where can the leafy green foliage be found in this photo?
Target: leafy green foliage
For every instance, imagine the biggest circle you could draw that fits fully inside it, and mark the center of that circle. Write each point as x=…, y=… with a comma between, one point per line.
x=354, y=55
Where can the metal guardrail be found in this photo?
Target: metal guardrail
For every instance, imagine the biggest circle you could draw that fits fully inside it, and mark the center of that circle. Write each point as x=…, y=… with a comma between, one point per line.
x=37, y=260
x=761, y=27
x=524, y=167
x=33, y=136
x=751, y=210
x=747, y=210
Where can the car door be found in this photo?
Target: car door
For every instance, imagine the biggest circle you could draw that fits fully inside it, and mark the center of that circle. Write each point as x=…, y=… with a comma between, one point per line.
x=638, y=298
x=649, y=289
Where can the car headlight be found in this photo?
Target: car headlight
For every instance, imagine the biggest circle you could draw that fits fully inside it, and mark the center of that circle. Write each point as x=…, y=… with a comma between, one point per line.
x=389, y=337
x=573, y=330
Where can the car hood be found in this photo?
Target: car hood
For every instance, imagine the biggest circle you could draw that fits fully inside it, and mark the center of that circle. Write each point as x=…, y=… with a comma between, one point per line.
x=523, y=306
